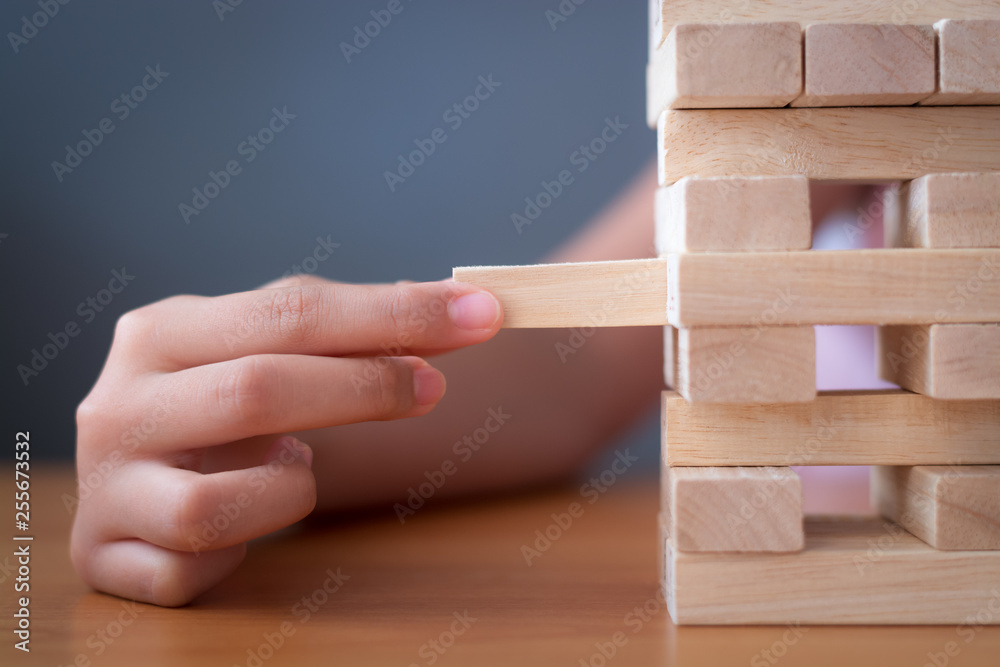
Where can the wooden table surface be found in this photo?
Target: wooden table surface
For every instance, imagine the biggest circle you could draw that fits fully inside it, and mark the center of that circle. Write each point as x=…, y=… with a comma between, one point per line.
x=406, y=586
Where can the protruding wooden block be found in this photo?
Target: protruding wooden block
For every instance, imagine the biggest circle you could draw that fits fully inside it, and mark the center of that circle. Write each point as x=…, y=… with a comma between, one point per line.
x=670, y=337
x=851, y=571
x=747, y=365
x=968, y=62
x=948, y=211
x=944, y=361
x=857, y=64
x=880, y=286
x=718, y=66
x=732, y=214
x=863, y=143
x=887, y=427
x=592, y=294
x=948, y=507
x=734, y=509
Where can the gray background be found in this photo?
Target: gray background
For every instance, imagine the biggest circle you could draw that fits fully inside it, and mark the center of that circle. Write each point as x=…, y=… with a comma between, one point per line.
x=322, y=176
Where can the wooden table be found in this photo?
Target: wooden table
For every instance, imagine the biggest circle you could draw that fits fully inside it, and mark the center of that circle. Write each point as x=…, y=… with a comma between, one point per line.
x=410, y=584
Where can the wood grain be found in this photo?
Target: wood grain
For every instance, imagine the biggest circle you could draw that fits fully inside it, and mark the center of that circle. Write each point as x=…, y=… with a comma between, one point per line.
x=944, y=361
x=889, y=427
x=968, y=62
x=882, y=286
x=593, y=294
x=947, y=211
x=714, y=66
x=733, y=509
x=851, y=571
x=948, y=507
x=733, y=214
x=867, y=64
x=747, y=365
x=670, y=336
x=665, y=14
x=868, y=143
x=599, y=578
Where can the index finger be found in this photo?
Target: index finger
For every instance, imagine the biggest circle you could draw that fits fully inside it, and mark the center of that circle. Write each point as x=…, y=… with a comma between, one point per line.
x=313, y=319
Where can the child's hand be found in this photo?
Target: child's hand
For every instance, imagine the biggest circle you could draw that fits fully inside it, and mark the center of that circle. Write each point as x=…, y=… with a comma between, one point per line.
x=190, y=373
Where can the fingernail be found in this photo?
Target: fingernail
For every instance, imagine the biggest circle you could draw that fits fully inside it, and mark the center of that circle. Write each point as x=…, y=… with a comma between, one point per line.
x=428, y=385
x=287, y=445
x=475, y=312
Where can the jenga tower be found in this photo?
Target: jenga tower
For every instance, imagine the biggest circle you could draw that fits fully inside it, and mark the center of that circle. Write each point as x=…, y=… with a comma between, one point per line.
x=751, y=101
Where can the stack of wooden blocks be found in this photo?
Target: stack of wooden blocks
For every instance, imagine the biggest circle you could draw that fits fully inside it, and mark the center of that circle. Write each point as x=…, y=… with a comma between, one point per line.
x=753, y=100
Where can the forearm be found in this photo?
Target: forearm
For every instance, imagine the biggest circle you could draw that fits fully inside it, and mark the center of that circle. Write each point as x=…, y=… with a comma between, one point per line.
x=563, y=402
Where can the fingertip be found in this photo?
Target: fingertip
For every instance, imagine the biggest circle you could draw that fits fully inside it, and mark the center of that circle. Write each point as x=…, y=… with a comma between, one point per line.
x=288, y=449
x=478, y=310
x=428, y=385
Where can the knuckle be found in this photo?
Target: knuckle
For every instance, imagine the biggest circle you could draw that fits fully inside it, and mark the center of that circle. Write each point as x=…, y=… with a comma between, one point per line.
x=88, y=413
x=135, y=326
x=391, y=388
x=246, y=392
x=185, y=517
x=292, y=313
x=403, y=310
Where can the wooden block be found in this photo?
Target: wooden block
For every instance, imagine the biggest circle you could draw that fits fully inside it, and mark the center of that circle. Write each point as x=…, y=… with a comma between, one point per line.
x=866, y=64
x=670, y=336
x=968, y=62
x=881, y=286
x=717, y=66
x=747, y=365
x=728, y=214
x=948, y=211
x=886, y=427
x=665, y=14
x=944, y=361
x=870, y=143
x=948, y=507
x=851, y=571
x=733, y=509
x=596, y=294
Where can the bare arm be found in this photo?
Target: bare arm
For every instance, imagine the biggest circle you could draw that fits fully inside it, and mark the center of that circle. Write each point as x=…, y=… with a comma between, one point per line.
x=560, y=412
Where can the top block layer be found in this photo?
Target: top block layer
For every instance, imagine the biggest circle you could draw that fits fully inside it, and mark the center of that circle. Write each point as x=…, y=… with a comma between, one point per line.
x=968, y=62
x=665, y=14
x=712, y=66
x=854, y=64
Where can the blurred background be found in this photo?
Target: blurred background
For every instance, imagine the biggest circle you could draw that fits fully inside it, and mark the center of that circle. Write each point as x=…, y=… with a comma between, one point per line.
x=200, y=77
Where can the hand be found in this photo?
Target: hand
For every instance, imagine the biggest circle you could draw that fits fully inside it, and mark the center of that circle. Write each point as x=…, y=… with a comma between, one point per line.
x=188, y=374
